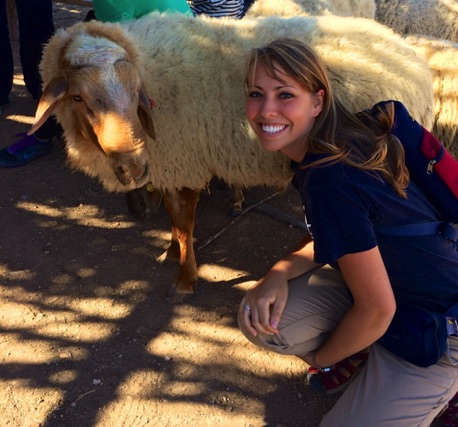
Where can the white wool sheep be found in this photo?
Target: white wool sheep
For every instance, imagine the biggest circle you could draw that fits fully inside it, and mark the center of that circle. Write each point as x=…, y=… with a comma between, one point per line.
x=435, y=18
x=442, y=57
x=290, y=8
x=97, y=78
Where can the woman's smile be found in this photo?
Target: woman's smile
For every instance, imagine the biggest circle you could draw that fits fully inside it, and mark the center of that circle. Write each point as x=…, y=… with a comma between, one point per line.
x=281, y=112
x=272, y=129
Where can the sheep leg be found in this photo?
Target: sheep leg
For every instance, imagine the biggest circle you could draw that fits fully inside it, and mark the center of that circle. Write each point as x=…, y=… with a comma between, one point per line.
x=239, y=198
x=181, y=206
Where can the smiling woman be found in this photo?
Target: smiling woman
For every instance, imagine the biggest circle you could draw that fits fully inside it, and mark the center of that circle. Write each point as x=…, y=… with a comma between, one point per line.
x=335, y=296
x=280, y=110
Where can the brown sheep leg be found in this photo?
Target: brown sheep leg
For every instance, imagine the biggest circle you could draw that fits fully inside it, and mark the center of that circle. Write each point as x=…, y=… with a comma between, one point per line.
x=181, y=206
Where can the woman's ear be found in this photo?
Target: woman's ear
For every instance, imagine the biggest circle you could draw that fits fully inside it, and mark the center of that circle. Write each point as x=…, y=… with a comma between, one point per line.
x=318, y=100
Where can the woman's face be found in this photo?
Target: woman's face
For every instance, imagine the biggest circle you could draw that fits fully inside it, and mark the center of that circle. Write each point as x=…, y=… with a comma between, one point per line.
x=282, y=113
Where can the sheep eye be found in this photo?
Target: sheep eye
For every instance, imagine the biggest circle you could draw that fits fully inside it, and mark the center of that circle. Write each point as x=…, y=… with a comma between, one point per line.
x=77, y=98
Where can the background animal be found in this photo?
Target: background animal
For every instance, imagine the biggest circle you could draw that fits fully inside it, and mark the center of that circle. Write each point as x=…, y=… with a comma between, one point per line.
x=290, y=8
x=435, y=18
x=98, y=79
x=442, y=57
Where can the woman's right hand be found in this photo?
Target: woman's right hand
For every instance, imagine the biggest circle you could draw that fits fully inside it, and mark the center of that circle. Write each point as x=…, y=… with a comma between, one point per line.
x=263, y=304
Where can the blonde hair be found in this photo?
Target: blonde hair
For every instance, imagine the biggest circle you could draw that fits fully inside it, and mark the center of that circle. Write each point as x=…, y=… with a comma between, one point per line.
x=362, y=140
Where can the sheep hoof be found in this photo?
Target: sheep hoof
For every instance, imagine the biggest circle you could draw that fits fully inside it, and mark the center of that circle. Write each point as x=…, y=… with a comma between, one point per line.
x=178, y=298
x=184, y=287
x=236, y=211
x=181, y=292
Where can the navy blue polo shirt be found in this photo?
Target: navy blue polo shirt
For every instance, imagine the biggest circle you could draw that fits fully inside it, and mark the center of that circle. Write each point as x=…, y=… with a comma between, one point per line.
x=341, y=205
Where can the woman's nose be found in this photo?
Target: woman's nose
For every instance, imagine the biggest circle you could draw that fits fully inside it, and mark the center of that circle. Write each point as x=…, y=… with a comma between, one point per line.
x=269, y=108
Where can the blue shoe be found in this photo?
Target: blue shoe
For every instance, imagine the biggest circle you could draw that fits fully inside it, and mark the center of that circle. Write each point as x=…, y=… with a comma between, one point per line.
x=24, y=151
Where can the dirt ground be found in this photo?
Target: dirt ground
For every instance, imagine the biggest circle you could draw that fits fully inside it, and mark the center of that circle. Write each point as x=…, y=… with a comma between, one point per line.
x=88, y=336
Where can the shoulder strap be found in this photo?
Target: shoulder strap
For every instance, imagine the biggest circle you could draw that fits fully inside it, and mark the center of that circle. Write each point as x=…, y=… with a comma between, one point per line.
x=449, y=231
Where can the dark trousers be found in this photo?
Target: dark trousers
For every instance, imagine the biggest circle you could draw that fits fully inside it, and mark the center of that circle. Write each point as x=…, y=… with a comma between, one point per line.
x=36, y=26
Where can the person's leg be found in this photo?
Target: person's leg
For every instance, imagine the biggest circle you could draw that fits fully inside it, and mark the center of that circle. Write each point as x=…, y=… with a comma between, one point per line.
x=246, y=5
x=6, y=57
x=316, y=303
x=391, y=392
x=35, y=28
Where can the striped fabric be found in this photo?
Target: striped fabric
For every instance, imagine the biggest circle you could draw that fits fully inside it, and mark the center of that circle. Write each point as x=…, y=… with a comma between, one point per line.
x=218, y=8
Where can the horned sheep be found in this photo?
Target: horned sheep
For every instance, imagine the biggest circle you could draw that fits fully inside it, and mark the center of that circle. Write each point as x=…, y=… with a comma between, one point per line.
x=98, y=78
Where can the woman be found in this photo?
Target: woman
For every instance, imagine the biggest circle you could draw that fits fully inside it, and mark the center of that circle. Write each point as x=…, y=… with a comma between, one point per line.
x=336, y=295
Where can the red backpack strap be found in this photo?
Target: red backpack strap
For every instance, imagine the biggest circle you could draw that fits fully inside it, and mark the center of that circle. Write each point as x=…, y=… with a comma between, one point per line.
x=440, y=161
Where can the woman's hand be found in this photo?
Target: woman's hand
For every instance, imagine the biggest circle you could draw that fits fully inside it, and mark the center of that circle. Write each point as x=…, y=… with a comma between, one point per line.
x=263, y=304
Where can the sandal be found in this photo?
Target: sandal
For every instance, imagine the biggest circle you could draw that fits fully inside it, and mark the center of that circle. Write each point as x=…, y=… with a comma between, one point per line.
x=339, y=377
x=448, y=418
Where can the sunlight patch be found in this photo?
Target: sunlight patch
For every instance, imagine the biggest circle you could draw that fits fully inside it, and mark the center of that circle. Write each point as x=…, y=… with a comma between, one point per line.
x=63, y=377
x=77, y=331
x=27, y=120
x=105, y=308
x=214, y=272
x=22, y=402
x=93, y=220
x=207, y=341
x=142, y=412
x=16, y=350
x=17, y=274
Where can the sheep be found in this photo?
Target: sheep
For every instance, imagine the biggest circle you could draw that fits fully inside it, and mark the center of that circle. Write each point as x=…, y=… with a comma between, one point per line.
x=442, y=57
x=290, y=8
x=435, y=18
x=98, y=77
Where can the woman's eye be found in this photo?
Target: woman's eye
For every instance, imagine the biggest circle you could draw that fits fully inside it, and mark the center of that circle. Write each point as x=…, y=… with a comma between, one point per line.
x=254, y=94
x=286, y=95
x=77, y=98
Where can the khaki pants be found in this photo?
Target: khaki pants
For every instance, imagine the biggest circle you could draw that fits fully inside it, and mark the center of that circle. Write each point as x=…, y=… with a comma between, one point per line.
x=388, y=392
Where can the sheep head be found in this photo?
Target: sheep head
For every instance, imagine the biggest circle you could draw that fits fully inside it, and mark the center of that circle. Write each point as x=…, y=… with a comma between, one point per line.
x=93, y=85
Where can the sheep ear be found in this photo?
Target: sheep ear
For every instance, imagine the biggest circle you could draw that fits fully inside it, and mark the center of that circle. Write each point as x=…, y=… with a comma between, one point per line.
x=144, y=113
x=52, y=94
